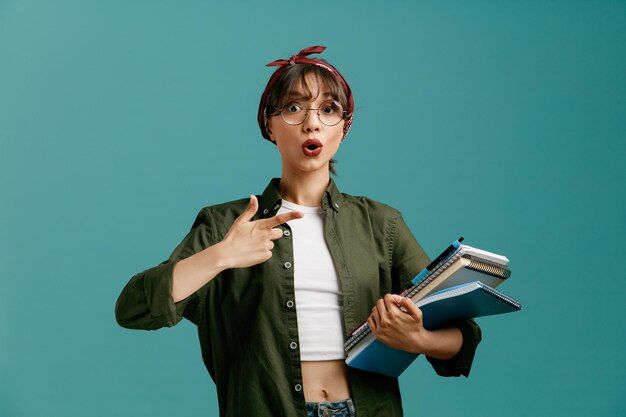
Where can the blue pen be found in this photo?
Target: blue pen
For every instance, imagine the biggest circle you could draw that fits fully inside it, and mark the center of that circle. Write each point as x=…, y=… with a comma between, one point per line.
x=444, y=255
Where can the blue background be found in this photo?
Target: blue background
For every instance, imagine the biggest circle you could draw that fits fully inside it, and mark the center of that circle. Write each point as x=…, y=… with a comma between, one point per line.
x=503, y=122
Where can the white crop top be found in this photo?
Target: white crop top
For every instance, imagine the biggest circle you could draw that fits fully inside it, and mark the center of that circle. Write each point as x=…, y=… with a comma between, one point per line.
x=319, y=300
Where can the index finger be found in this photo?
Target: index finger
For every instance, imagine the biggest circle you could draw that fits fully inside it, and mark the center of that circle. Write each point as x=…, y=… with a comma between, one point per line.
x=280, y=219
x=409, y=306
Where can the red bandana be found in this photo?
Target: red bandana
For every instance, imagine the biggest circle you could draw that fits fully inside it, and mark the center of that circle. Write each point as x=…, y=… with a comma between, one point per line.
x=301, y=58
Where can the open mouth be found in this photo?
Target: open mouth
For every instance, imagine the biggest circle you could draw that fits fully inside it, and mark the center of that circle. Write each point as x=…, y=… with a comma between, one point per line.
x=312, y=147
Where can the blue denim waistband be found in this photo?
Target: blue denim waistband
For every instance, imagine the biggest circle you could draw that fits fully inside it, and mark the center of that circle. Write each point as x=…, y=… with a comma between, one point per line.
x=343, y=408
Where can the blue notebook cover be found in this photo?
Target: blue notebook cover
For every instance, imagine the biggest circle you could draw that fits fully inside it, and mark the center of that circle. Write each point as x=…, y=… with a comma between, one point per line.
x=471, y=300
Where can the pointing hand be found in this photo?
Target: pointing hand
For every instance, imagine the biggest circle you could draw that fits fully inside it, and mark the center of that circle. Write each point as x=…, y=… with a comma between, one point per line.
x=248, y=242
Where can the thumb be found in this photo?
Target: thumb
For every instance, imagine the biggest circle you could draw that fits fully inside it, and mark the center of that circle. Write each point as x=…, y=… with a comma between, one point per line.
x=250, y=211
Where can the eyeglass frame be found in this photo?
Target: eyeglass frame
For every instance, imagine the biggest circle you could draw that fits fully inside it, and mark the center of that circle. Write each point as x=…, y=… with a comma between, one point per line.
x=280, y=111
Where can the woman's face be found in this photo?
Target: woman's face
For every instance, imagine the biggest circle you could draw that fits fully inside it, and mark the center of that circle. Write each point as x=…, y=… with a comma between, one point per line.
x=308, y=146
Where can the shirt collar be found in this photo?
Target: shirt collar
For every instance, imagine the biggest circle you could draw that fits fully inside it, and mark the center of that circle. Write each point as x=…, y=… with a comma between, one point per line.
x=271, y=200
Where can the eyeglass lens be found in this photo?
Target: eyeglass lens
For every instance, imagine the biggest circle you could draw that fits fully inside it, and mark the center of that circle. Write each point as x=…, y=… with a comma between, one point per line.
x=329, y=112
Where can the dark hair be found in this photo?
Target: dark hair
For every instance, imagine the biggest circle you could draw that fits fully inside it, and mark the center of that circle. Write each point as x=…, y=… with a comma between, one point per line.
x=296, y=75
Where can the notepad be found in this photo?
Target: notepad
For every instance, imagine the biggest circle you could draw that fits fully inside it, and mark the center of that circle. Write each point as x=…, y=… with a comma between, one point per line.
x=470, y=300
x=459, y=268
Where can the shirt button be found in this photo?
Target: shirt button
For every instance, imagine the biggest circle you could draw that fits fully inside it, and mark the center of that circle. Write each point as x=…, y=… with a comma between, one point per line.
x=287, y=264
x=265, y=211
x=290, y=304
x=293, y=345
x=286, y=232
x=297, y=387
x=336, y=205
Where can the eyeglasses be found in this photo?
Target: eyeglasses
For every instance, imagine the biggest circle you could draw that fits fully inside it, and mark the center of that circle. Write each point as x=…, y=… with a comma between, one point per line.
x=329, y=113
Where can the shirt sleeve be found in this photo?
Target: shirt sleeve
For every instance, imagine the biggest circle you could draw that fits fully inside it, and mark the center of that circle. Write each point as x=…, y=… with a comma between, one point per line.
x=146, y=302
x=408, y=260
x=461, y=363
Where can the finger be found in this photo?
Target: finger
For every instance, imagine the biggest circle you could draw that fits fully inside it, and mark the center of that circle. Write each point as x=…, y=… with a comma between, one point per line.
x=396, y=299
x=372, y=323
x=250, y=211
x=276, y=233
x=381, y=306
x=375, y=315
x=411, y=308
x=280, y=219
x=390, y=303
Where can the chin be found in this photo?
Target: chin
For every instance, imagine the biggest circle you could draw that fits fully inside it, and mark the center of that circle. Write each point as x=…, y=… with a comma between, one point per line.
x=309, y=166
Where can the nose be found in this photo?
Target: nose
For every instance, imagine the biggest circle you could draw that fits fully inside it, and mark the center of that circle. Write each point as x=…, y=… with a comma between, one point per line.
x=312, y=122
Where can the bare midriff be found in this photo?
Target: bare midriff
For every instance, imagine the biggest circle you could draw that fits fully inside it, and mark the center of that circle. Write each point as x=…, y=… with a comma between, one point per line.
x=325, y=381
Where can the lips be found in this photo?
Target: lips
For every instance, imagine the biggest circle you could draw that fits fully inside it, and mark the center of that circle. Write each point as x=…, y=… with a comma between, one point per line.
x=312, y=147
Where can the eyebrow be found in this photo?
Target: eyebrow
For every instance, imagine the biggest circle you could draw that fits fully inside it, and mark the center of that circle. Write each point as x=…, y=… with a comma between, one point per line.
x=298, y=95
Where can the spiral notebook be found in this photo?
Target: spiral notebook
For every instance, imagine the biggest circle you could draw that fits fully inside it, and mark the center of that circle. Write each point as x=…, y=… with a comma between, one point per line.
x=470, y=300
x=458, y=264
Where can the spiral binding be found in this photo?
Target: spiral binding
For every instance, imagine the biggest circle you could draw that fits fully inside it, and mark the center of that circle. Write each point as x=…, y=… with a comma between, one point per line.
x=510, y=300
x=499, y=271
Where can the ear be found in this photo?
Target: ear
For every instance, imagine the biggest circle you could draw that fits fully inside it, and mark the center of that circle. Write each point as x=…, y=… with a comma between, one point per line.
x=269, y=132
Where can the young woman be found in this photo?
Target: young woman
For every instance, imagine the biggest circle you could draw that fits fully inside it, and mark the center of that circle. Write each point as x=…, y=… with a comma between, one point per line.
x=276, y=282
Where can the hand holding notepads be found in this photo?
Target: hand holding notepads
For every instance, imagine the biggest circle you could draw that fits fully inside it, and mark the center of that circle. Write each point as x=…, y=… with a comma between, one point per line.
x=458, y=284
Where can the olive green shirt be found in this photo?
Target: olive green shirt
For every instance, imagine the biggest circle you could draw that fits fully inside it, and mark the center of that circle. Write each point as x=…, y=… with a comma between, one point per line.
x=246, y=317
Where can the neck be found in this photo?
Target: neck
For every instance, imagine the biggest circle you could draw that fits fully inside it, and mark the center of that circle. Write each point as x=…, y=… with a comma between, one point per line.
x=304, y=189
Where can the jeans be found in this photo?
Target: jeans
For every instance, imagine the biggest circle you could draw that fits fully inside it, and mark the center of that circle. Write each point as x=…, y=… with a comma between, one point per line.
x=335, y=409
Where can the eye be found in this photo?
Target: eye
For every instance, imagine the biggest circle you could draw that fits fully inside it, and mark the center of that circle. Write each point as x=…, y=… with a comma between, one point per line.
x=330, y=107
x=293, y=107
